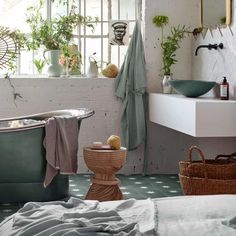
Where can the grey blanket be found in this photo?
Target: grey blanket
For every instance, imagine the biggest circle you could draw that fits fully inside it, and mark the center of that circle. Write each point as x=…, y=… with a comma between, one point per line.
x=75, y=217
x=212, y=215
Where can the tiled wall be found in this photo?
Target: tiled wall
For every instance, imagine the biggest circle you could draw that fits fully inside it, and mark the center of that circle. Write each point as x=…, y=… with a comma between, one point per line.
x=212, y=65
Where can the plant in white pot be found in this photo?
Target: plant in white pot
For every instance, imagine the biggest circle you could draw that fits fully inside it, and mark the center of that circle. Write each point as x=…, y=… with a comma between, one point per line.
x=55, y=34
x=169, y=45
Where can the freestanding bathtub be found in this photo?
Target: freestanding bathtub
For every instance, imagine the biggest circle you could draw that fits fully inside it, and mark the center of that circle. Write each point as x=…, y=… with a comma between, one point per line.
x=22, y=159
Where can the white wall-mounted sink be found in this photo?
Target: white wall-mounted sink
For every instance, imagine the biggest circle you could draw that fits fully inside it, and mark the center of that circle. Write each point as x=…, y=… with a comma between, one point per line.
x=198, y=117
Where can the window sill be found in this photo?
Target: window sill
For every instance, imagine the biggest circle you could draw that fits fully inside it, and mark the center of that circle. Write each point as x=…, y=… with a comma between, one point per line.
x=58, y=78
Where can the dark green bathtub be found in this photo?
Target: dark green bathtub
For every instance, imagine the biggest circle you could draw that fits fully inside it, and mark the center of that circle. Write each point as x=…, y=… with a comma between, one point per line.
x=23, y=163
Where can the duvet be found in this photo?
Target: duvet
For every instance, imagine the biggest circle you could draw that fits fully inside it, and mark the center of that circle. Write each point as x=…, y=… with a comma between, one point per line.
x=176, y=216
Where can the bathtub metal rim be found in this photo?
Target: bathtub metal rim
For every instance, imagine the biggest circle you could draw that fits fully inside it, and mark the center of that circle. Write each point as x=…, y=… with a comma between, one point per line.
x=42, y=117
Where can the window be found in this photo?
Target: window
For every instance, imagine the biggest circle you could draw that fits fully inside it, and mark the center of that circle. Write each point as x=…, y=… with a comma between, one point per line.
x=13, y=15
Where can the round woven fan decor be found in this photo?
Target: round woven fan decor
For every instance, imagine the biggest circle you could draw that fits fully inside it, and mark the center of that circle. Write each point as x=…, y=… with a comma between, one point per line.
x=7, y=46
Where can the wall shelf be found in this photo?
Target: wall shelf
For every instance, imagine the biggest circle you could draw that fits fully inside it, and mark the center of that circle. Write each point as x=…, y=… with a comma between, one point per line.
x=198, y=117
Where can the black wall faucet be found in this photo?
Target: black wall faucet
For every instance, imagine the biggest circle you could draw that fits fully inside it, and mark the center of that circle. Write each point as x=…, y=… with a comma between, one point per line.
x=210, y=46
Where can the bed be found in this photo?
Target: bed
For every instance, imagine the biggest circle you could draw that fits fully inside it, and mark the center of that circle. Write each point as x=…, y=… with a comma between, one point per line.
x=175, y=216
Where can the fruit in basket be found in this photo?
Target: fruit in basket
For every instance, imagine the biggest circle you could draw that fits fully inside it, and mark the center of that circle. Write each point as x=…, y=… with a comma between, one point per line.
x=114, y=142
x=110, y=71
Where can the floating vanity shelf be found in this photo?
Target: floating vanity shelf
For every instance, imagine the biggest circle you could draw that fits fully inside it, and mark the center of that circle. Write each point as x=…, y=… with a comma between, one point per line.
x=198, y=117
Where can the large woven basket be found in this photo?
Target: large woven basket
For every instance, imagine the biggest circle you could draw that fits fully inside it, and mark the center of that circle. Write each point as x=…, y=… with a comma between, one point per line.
x=203, y=186
x=217, y=168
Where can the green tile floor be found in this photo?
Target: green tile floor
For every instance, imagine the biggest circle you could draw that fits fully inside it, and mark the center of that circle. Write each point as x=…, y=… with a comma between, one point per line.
x=132, y=186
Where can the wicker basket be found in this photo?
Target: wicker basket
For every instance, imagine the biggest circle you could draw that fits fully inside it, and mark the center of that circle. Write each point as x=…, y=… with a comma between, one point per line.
x=217, y=168
x=202, y=186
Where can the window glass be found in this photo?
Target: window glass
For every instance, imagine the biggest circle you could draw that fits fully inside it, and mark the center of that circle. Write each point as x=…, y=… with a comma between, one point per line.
x=93, y=45
x=115, y=9
x=105, y=29
x=26, y=65
x=127, y=9
x=93, y=8
x=90, y=32
x=13, y=14
x=105, y=10
x=123, y=51
x=59, y=9
x=131, y=27
x=105, y=58
x=115, y=55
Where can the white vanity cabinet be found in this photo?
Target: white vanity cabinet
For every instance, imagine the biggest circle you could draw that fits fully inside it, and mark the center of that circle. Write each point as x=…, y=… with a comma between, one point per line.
x=198, y=117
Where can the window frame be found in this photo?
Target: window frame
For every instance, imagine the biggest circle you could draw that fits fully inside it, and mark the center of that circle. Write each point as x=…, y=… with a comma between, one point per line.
x=79, y=37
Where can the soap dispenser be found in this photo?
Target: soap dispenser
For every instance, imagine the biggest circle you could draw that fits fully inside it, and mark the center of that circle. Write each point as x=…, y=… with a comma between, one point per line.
x=224, y=89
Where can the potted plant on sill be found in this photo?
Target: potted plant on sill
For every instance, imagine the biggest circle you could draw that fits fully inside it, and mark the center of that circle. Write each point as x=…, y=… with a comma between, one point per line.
x=54, y=35
x=71, y=62
x=169, y=46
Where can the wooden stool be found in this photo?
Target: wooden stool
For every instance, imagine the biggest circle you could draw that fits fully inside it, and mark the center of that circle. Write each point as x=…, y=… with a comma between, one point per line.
x=104, y=164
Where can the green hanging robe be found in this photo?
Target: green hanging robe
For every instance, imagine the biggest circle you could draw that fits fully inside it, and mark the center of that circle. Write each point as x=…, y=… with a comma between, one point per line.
x=130, y=88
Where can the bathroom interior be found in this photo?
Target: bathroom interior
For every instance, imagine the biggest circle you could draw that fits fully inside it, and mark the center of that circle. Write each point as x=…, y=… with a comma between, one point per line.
x=174, y=122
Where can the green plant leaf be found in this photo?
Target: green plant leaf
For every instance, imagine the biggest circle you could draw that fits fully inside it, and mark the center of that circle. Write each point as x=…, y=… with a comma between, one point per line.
x=169, y=46
x=54, y=33
x=160, y=21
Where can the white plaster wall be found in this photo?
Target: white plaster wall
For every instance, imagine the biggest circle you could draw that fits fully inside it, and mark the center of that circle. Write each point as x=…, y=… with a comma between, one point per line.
x=180, y=12
x=40, y=95
x=165, y=146
x=213, y=65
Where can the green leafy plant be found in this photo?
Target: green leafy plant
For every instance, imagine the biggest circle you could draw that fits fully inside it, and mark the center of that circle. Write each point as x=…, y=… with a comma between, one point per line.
x=39, y=65
x=169, y=46
x=170, y=43
x=160, y=21
x=54, y=33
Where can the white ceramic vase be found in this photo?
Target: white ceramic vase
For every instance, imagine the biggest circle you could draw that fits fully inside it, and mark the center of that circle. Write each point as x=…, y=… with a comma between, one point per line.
x=166, y=87
x=54, y=68
x=92, y=71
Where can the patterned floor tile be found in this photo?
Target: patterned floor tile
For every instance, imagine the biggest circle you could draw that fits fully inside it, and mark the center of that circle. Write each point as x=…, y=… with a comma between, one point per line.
x=136, y=186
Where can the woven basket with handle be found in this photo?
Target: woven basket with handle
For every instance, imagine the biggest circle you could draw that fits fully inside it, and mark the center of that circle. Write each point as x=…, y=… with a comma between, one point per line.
x=202, y=186
x=222, y=167
x=208, y=176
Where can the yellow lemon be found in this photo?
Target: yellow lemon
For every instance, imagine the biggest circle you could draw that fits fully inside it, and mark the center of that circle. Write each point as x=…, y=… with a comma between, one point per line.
x=114, y=142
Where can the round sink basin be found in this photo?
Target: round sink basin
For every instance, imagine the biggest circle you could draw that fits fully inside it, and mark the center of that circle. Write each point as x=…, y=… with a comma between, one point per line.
x=192, y=88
